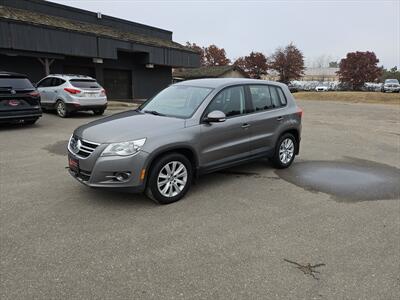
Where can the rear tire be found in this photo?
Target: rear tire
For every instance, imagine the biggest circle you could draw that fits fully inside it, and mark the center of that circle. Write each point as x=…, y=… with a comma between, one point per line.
x=285, y=151
x=98, y=112
x=61, y=109
x=169, y=178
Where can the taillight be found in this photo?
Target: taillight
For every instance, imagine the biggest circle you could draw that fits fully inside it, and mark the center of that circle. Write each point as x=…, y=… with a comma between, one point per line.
x=72, y=91
x=103, y=92
x=300, y=112
x=34, y=94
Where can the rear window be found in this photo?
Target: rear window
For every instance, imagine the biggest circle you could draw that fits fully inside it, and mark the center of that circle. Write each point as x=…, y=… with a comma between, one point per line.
x=85, y=83
x=16, y=83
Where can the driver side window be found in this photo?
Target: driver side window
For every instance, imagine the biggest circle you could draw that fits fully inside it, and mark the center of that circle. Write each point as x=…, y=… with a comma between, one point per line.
x=231, y=101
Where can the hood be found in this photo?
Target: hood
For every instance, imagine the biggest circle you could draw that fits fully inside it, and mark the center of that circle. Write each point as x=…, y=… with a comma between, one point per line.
x=128, y=126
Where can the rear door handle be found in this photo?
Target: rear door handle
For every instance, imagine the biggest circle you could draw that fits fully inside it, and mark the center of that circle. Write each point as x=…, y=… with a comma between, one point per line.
x=245, y=125
x=279, y=118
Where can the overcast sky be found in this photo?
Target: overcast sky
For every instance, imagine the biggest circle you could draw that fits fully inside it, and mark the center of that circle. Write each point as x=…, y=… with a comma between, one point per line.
x=318, y=28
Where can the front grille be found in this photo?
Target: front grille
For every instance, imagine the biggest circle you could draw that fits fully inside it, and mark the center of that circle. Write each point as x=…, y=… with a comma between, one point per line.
x=86, y=148
x=81, y=147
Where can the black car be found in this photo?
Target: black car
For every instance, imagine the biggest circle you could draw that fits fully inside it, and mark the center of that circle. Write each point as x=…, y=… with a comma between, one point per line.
x=19, y=99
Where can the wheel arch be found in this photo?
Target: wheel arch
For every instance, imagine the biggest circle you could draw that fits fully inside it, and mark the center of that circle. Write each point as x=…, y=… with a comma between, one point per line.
x=185, y=150
x=295, y=132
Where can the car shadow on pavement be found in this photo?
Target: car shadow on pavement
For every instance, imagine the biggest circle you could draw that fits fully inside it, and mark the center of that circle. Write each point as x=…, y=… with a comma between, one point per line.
x=116, y=198
x=75, y=115
x=255, y=169
x=18, y=126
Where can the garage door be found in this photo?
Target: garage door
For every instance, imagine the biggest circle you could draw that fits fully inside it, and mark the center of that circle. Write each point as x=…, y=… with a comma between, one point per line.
x=118, y=84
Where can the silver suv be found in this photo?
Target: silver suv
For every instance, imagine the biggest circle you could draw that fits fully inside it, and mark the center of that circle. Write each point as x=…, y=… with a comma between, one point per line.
x=70, y=93
x=188, y=129
x=391, y=85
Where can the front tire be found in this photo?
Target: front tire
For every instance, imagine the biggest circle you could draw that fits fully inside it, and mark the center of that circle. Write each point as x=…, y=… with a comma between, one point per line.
x=169, y=178
x=285, y=151
x=61, y=109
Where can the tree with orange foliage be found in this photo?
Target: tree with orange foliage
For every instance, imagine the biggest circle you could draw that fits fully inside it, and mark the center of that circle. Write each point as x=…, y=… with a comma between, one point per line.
x=358, y=68
x=288, y=62
x=254, y=65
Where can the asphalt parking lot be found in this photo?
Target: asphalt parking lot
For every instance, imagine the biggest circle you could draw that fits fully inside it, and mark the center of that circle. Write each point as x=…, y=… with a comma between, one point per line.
x=236, y=235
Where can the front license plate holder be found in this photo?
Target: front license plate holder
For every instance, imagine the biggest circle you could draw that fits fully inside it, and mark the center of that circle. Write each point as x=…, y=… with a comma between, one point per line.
x=73, y=164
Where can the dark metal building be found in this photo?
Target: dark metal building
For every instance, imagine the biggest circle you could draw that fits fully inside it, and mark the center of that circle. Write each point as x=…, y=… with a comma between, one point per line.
x=130, y=60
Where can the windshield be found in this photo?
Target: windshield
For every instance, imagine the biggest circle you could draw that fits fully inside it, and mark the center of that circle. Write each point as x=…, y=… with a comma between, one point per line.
x=391, y=81
x=177, y=101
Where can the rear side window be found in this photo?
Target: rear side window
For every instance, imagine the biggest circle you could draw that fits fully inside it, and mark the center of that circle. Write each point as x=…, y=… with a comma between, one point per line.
x=282, y=96
x=85, y=83
x=16, y=83
x=261, y=97
x=278, y=98
x=266, y=97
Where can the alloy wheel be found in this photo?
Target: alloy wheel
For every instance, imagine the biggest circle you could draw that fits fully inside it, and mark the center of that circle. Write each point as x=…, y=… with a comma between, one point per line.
x=61, y=109
x=286, y=151
x=172, y=179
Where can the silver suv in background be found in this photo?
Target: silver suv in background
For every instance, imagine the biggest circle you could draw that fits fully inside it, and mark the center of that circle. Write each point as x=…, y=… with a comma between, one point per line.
x=70, y=93
x=391, y=85
x=190, y=128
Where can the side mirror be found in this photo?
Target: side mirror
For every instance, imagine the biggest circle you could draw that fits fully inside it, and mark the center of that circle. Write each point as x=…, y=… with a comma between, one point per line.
x=215, y=116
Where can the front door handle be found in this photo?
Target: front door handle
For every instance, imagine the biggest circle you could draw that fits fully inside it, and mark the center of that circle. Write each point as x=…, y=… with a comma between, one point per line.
x=279, y=118
x=245, y=125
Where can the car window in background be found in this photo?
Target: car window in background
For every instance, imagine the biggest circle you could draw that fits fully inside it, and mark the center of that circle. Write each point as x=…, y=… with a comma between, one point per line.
x=261, y=97
x=177, y=101
x=57, y=82
x=16, y=83
x=391, y=81
x=45, y=82
x=85, y=83
x=230, y=101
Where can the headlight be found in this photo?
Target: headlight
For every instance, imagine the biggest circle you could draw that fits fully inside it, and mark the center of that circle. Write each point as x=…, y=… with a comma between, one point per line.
x=123, y=148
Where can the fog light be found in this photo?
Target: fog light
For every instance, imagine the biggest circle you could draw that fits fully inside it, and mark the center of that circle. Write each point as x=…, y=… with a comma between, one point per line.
x=122, y=176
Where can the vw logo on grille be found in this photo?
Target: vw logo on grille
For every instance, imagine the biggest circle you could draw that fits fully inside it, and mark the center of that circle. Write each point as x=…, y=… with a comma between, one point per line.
x=13, y=92
x=75, y=145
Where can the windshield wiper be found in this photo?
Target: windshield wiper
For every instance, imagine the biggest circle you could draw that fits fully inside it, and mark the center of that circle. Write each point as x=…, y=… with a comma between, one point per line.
x=154, y=112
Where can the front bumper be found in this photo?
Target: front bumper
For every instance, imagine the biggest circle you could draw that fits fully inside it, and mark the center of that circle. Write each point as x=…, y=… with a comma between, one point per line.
x=98, y=172
x=391, y=89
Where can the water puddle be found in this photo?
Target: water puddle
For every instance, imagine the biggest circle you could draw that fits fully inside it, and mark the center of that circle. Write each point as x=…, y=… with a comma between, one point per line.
x=59, y=148
x=349, y=180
